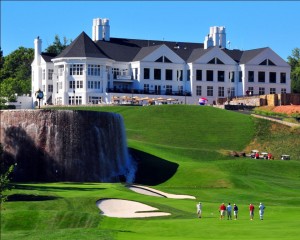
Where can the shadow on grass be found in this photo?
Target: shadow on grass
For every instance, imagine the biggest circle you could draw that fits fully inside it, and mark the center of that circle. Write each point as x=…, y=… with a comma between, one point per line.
x=56, y=188
x=29, y=197
x=152, y=170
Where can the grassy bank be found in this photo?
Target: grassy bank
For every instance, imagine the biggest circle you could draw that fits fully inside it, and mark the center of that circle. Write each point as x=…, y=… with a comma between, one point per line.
x=189, y=145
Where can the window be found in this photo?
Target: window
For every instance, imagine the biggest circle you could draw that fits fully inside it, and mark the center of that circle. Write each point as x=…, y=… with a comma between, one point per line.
x=221, y=76
x=79, y=84
x=180, y=89
x=146, y=73
x=76, y=69
x=198, y=90
x=221, y=91
x=95, y=99
x=199, y=75
x=232, y=92
x=250, y=76
x=50, y=88
x=97, y=84
x=50, y=74
x=60, y=70
x=59, y=85
x=210, y=91
x=188, y=75
x=282, y=77
x=44, y=74
x=261, y=77
x=94, y=70
x=209, y=75
x=169, y=74
x=283, y=90
x=146, y=88
x=90, y=84
x=135, y=73
x=168, y=89
x=215, y=61
x=261, y=91
x=116, y=72
x=272, y=77
x=240, y=76
x=157, y=74
x=272, y=90
x=179, y=75
x=72, y=84
x=231, y=76
x=251, y=90
x=159, y=59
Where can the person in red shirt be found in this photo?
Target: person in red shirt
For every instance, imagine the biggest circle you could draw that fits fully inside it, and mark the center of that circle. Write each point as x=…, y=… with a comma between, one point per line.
x=222, y=210
x=251, y=209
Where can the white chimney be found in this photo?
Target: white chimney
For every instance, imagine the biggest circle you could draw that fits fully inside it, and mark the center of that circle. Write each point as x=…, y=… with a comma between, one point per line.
x=216, y=37
x=37, y=50
x=106, y=29
x=97, y=29
x=222, y=37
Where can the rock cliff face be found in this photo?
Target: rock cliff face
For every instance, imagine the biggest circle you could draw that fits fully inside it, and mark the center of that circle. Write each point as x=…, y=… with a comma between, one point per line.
x=66, y=145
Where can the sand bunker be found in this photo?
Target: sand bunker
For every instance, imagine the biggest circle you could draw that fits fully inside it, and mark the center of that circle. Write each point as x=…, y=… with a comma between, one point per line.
x=153, y=192
x=127, y=209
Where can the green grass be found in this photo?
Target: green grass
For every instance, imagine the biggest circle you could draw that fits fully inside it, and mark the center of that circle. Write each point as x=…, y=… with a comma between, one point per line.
x=182, y=150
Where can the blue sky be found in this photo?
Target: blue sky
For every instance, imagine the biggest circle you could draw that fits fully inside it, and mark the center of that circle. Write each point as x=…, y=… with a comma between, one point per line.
x=249, y=24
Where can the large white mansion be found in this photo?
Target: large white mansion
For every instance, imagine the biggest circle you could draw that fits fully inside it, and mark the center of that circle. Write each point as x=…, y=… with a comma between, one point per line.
x=93, y=70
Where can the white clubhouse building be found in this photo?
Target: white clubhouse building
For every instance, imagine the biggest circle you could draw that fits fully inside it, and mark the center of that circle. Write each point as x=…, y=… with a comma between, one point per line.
x=93, y=70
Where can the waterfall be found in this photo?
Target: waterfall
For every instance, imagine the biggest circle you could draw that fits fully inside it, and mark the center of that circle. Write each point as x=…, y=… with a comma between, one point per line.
x=66, y=145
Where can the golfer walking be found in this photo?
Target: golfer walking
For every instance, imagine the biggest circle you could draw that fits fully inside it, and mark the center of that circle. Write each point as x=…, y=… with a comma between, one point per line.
x=261, y=211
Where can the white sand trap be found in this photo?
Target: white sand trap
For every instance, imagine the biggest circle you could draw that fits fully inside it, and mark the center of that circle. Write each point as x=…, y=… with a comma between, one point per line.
x=127, y=209
x=153, y=192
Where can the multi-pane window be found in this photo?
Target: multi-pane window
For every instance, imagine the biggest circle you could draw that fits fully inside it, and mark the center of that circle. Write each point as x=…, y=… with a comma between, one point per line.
x=115, y=72
x=272, y=90
x=94, y=84
x=210, y=91
x=272, y=77
x=231, y=76
x=76, y=69
x=72, y=84
x=135, y=73
x=50, y=88
x=232, y=92
x=146, y=88
x=146, y=73
x=79, y=84
x=44, y=74
x=157, y=74
x=60, y=70
x=282, y=77
x=250, y=76
x=221, y=76
x=221, y=91
x=283, y=90
x=180, y=89
x=169, y=74
x=50, y=74
x=94, y=70
x=209, y=75
x=261, y=91
x=179, y=75
x=198, y=90
x=261, y=76
x=95, y=99
x=251, y=90
x=168, y=89
x=199, y=75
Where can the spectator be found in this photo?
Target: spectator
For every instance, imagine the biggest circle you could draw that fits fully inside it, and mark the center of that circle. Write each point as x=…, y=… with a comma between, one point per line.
x=222, y=210
x=251, y=209
x=199, y=210
x=235, y=211
x=229, y=208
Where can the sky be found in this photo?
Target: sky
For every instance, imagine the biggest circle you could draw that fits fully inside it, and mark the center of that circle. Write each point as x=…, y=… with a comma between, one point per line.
x=249, y=24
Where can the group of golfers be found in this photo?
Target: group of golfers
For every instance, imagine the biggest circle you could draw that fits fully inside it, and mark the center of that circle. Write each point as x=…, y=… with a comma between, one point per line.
x=223, y=209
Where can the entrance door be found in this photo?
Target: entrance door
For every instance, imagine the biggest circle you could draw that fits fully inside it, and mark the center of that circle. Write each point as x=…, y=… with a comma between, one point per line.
x=157, y=89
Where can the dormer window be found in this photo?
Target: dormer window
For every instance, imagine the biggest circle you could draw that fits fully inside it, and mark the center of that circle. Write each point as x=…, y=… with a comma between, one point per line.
x=267, y=62
x=215, y=61
x=163, y=59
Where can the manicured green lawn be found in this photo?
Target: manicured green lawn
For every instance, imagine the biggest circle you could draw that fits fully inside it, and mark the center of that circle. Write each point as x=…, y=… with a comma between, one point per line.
x=189, y=144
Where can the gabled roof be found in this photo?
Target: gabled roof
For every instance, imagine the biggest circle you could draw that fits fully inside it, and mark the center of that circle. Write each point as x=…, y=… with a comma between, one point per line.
x=197, y=53
x=145, y=51
x=82, y=46
x=250, y=54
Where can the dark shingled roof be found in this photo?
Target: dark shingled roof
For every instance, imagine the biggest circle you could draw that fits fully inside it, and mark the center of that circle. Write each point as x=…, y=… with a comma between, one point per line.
x=128, y=50
x=82, y=46
x=47, y=56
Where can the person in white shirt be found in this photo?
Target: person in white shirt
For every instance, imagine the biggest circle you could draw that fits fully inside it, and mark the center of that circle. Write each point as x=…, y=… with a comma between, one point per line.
x=228, y=209
x=199, y=209
x=261, y=211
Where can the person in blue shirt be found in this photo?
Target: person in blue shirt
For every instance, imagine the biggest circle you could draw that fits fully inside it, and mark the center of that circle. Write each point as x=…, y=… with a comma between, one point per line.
x=261, y=211
x=228, y=209
x=235, y=211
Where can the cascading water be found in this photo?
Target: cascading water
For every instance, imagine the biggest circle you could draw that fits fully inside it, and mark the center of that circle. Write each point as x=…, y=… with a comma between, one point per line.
x=66, y=145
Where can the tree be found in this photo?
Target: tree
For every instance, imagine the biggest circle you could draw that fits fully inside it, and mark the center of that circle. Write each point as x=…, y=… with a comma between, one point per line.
x=294, y=61
x=57, y=46
x=5, y=176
